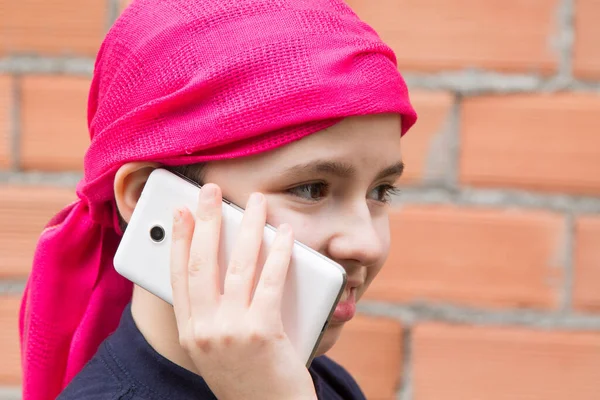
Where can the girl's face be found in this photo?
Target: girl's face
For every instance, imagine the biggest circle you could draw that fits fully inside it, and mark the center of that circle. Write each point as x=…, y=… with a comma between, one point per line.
x=333, y=188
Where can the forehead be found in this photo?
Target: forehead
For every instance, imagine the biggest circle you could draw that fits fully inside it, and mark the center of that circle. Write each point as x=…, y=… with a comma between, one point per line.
x=372, y=130
x=372, y=140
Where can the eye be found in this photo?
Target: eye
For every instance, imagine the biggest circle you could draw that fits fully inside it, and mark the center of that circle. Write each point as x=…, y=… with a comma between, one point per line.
x=384, y=193
x=310, y=191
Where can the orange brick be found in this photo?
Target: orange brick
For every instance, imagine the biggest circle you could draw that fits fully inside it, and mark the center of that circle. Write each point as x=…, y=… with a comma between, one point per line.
x=433, y=35
x=5, y=120
x=462, y=362
x=424, y=138
x=371, y=350
x=54, y=122
x=476, y=257
x=546, y=142
x=586, y=58
x=24, y=211
x=586, y=291
x=52, y=27
x=10, y=367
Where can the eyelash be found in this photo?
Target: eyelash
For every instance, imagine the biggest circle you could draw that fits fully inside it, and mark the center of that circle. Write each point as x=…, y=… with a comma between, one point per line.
x=385, y=191
x=388, y=192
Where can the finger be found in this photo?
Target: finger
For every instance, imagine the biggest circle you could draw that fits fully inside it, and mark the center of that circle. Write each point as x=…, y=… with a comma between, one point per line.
x=203, y=264
x=269, y=291
x=183, y=229
x=241, y=271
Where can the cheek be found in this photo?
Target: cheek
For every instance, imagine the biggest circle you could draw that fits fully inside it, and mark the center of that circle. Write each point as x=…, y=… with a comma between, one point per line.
x=305, y=226
x=382, y=229
x=386, y=244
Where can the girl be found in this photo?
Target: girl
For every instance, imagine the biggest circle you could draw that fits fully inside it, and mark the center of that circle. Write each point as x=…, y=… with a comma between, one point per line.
x=294, y=108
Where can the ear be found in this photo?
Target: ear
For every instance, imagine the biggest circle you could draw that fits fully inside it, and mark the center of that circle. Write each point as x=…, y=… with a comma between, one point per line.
x=129, y=182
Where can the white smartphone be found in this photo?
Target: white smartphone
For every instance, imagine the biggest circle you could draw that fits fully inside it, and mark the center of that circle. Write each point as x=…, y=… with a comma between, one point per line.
x=313, y=286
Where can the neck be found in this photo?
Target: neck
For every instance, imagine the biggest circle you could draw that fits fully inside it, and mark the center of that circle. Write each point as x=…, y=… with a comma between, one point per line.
x=156, y=321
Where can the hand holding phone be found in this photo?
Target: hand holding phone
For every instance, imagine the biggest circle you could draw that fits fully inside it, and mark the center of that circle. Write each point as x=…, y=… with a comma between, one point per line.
x=312, y=287
x=235, y=338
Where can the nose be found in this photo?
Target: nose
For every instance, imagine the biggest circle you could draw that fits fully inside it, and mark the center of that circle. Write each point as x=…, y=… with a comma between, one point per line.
x=355, y=239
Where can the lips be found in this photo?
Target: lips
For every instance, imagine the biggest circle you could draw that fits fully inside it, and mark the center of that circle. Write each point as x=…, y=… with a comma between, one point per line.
x=346, y=308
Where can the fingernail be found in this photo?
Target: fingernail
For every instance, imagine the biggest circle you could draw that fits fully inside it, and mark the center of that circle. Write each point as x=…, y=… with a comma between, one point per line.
x=285, y=229
x=177, y=214
x=255, y=199
x=208, y=193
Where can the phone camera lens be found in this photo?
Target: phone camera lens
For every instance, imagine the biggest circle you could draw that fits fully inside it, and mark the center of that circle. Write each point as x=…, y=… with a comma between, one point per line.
x=157, y=233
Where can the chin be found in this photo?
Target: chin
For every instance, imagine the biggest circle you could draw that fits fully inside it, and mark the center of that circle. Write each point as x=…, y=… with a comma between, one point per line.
x=329, y=339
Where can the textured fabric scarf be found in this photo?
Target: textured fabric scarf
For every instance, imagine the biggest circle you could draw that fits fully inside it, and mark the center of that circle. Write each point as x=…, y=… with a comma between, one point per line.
x=180, y=82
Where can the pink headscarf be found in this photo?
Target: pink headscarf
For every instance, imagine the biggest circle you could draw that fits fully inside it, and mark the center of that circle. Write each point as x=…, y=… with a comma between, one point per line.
x=180, y=82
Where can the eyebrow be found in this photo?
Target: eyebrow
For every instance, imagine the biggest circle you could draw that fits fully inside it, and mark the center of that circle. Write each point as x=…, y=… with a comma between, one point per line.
x=393, y=170
x=341, y=169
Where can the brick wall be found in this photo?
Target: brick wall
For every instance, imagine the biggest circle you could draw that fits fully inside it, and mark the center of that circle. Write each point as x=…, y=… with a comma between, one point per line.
x=492, y=290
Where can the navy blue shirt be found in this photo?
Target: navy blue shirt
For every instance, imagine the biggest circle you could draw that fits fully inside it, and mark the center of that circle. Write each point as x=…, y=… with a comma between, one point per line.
x=127, y=367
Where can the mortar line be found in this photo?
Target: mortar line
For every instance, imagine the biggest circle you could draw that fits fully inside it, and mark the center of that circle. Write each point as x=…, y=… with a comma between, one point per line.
x=566, y=304
x=497, y=198
x=58, y=179
x=471, y=82
x=565, y=37
x=455, y=144
x=414, y=313
x=10, y=393
x=406, y=384
x=112, y=13
x=441, y=162
x=32, y=64
x=12, y=286
x=15, y=128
